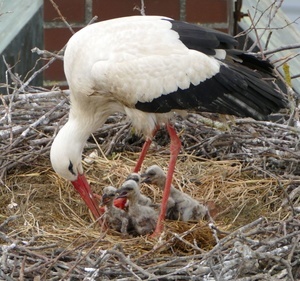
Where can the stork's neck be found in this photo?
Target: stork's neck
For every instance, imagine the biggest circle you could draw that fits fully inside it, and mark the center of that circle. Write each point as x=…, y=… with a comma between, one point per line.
x=76, y=132
x=174, y=192
x=67, y=148
x=133, y=200
x=162, y=182
x=110, y=205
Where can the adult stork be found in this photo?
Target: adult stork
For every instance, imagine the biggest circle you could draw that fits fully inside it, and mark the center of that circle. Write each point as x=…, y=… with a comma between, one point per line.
x=149, y=67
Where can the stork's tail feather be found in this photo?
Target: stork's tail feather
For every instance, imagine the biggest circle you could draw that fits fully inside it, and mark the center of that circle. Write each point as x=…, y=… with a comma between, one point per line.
x=250, y=61
x=249, y=95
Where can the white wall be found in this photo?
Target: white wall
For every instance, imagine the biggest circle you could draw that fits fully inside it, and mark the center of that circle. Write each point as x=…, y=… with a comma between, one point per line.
x=292, y=9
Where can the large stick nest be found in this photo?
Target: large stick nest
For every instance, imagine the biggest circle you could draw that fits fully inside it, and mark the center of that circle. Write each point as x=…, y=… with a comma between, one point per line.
x=247, y=172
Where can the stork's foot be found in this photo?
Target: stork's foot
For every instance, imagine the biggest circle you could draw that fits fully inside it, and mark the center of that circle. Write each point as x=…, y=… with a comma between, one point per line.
x=158, y=230
x=212, y=209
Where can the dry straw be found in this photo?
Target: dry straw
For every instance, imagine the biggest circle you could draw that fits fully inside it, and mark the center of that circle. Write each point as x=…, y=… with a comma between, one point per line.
x=246, y=171
x=48, y=233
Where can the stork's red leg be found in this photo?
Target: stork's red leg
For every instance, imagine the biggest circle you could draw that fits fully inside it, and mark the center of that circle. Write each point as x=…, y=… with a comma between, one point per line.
x=174, y=150
x=143, y=153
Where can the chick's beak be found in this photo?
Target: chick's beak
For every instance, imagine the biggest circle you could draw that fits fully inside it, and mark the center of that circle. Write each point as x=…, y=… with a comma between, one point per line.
x=105, y=198
x=121, y=193
x=145, y=178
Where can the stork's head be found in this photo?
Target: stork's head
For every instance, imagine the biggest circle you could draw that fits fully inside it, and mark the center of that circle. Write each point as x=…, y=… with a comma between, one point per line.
x=154, y=175
x=134, y=176
x=65, y=156
x=129, y=189
x=109, y=193
x=109, y=190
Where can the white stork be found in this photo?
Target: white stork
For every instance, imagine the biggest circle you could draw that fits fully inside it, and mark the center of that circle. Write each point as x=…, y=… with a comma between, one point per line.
x=150, y=67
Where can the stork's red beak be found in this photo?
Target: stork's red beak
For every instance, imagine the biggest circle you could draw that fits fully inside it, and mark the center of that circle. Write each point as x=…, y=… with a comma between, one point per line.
x=82, y=186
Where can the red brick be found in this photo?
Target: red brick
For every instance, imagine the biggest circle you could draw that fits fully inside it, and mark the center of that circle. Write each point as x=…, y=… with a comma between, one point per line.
x=55, y=71
x=56, y=38
x=73, y=11
x=168, y=8
x=206, y=11
x=119, y=8
x=225, y=30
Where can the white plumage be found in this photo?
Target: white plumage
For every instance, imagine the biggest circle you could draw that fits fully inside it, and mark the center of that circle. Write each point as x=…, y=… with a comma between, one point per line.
x=124, y=61
x=150, y=67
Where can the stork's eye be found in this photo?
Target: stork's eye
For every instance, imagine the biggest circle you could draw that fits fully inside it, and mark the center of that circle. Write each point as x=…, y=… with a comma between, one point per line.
x=135, y=179
x=70, y=168
x=151, y=174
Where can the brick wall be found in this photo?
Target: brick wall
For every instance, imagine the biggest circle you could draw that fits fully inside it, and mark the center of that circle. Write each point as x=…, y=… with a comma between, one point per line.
x=212, y=13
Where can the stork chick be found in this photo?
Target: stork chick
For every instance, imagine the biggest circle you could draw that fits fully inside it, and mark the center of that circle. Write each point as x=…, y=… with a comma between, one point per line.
x=180, y=205
x=115, y=217
x=143, y=199
x=143, y=218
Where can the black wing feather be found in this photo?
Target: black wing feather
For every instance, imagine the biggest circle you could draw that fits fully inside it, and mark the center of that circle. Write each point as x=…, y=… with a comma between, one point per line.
x=237, y=89
x=202, y=39
x=228, y=92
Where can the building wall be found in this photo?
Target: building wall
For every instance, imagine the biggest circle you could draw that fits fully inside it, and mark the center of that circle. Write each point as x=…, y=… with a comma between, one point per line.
x=212, y=13
x=292, y=9
x=21, y=29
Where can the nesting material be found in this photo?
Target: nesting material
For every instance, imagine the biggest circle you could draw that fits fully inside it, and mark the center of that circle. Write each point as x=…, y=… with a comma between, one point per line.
x=246, y=170
x=44, y=220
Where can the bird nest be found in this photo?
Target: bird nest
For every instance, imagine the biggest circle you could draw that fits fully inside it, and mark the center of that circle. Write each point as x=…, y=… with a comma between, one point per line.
x=246, y=171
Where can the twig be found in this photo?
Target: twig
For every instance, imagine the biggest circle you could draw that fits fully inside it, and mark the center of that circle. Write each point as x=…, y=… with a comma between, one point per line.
x=46, y=53
x=8, y=220
x=127, y=261
x=141, y=9
x=61, y=16
x=279, y=49
x=256, y=34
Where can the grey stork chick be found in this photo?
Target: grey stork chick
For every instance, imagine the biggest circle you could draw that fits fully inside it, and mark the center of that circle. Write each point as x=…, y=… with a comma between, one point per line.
x=143, y=199
x=143, y=218
x=157, y=177
x=180, y=205
x=116, y=218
